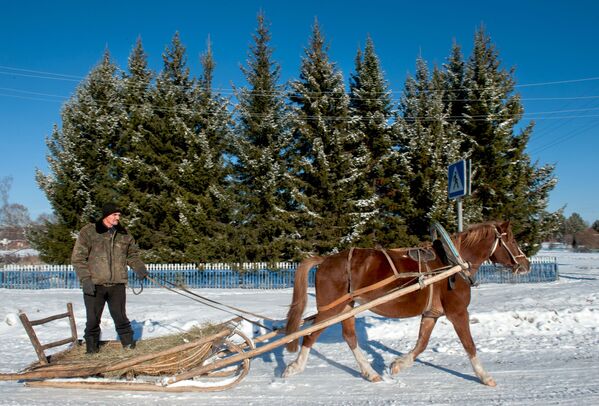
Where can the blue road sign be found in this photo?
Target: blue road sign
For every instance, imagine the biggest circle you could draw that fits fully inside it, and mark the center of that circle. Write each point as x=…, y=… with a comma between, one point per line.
x=457, y=180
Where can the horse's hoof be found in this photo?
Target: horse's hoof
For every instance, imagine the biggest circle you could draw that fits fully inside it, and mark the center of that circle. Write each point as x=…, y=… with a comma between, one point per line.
x=490, y=382
x=376, y=378
x=373, y=377
x=289, y=371
x=401, y=363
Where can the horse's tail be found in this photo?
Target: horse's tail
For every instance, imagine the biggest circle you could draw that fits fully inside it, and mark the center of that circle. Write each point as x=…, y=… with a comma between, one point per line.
x=300, y=298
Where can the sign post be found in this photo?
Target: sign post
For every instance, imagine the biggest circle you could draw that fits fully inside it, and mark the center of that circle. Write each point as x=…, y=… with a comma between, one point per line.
x=458, y=185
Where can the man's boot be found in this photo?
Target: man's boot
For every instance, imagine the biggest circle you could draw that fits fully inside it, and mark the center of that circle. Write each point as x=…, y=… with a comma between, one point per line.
x=92, y=345
x=127, y=341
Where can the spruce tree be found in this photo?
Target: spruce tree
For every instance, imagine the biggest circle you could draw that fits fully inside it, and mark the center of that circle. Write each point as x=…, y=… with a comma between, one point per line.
x=323, y=146
x=169, y=141
x=137, y=183
x=455, y=91
x=380, y=221
x=81, y=160
x=209, y=209
x=505, y=184
x=261, y=146
x=455, y=100
x=429, y=143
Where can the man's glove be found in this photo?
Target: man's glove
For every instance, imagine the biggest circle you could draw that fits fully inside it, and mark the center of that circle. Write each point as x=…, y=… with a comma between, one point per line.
x=141, y=273
x=88, y=287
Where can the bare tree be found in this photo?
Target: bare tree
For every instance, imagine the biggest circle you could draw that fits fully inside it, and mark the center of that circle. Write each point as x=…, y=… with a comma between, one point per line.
x=11, y=214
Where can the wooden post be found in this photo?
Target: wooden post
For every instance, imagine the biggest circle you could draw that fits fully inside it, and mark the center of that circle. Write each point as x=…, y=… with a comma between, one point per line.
x=73, y=324
x=33, y=337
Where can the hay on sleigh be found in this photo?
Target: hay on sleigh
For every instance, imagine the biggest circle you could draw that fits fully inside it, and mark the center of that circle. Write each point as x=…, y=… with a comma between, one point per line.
x=112, y=353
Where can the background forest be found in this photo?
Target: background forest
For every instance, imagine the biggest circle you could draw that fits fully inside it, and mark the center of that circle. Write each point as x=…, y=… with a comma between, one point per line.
x=281, y=169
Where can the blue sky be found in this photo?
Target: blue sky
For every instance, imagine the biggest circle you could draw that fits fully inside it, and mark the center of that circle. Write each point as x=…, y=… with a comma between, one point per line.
x=49, y=47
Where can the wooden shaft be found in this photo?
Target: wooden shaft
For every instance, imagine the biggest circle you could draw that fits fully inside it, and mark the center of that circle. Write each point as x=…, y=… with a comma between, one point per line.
x=319, y=326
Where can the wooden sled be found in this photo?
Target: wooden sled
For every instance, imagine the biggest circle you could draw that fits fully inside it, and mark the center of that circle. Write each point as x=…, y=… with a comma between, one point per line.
x=137, y=372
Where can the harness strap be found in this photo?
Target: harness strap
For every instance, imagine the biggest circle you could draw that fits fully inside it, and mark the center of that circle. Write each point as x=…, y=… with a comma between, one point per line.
x=357, y=292
x=348, y=269
x=396, y=275
x=393, y=268
x=429, y=301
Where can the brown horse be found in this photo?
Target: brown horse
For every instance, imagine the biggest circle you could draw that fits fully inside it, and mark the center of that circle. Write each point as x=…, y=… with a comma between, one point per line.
x=349, y=276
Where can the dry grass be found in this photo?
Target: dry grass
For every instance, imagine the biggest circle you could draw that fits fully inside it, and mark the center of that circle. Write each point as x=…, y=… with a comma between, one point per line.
x=112, y=352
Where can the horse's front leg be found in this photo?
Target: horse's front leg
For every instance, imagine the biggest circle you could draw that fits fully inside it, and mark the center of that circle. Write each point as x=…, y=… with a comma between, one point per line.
x=461, y=324
x=424, y=334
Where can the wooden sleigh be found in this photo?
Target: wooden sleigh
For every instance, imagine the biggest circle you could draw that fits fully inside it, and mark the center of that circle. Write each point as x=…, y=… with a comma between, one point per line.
x=213, y=363
x=133, y=370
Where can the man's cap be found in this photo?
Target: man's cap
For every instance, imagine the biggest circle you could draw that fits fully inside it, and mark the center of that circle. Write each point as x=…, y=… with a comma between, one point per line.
x=110, y=208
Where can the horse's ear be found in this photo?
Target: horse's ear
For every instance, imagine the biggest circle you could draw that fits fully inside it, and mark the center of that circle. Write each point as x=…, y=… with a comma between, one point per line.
x=505, y=225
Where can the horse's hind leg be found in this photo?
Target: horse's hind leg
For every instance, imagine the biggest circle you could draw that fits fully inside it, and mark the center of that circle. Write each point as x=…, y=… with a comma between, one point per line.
x=461, y=324
x=349, y=334
x=424, y=334
x=300, y=362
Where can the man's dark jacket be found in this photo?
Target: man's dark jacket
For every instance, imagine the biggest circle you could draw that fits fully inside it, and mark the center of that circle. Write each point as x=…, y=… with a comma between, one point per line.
x=103, y=256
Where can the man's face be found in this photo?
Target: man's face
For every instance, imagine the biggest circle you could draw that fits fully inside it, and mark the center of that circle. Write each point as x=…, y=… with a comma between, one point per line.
x=112, y=219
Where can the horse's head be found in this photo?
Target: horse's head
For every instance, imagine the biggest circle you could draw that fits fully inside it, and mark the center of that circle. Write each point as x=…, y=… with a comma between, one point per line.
x=493, y=241
x=505, y=250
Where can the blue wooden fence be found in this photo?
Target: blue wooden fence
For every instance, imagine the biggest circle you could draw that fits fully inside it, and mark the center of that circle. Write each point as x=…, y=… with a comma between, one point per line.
x=542, y=269
x=227, y=276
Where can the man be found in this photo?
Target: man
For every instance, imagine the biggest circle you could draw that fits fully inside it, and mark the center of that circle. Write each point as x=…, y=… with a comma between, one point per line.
x=100, y=258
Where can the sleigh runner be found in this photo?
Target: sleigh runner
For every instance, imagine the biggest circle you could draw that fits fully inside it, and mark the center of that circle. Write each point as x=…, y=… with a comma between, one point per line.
x=221, y=360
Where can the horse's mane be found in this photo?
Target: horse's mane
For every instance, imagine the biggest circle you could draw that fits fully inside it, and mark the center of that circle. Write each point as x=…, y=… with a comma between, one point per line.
x=478, y=232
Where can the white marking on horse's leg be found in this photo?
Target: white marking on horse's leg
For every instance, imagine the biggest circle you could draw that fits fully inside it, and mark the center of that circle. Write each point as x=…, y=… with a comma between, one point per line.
x=298, y=365
x=401, y=363
x=481, y=373
x=365, y=367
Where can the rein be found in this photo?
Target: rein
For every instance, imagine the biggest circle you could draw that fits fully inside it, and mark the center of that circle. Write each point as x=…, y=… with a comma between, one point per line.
x=141, y=288
x=208, y=302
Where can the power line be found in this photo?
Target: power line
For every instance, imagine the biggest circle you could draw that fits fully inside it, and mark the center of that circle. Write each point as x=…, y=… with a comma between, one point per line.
x=66, y=77
x=49, y=74
x=565, y=137
x=591, y=97
x=542, y=115
x=8, y=89
x=559, y=82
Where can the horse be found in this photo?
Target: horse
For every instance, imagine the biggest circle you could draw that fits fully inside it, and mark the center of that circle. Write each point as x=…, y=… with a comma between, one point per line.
x=361, y=275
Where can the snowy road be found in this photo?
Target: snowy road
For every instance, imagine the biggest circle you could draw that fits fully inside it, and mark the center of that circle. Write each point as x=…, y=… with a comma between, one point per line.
x=539, y=341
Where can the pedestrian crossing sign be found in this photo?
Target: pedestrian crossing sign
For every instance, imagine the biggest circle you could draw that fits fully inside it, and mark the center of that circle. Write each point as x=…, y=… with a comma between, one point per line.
x=458, y=179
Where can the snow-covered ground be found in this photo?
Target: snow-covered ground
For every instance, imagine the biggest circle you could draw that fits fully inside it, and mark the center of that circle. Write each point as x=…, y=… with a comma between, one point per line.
x=539, y=341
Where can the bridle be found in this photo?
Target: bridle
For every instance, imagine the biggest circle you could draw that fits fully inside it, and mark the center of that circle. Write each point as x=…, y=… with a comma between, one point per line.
x=499, y=241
